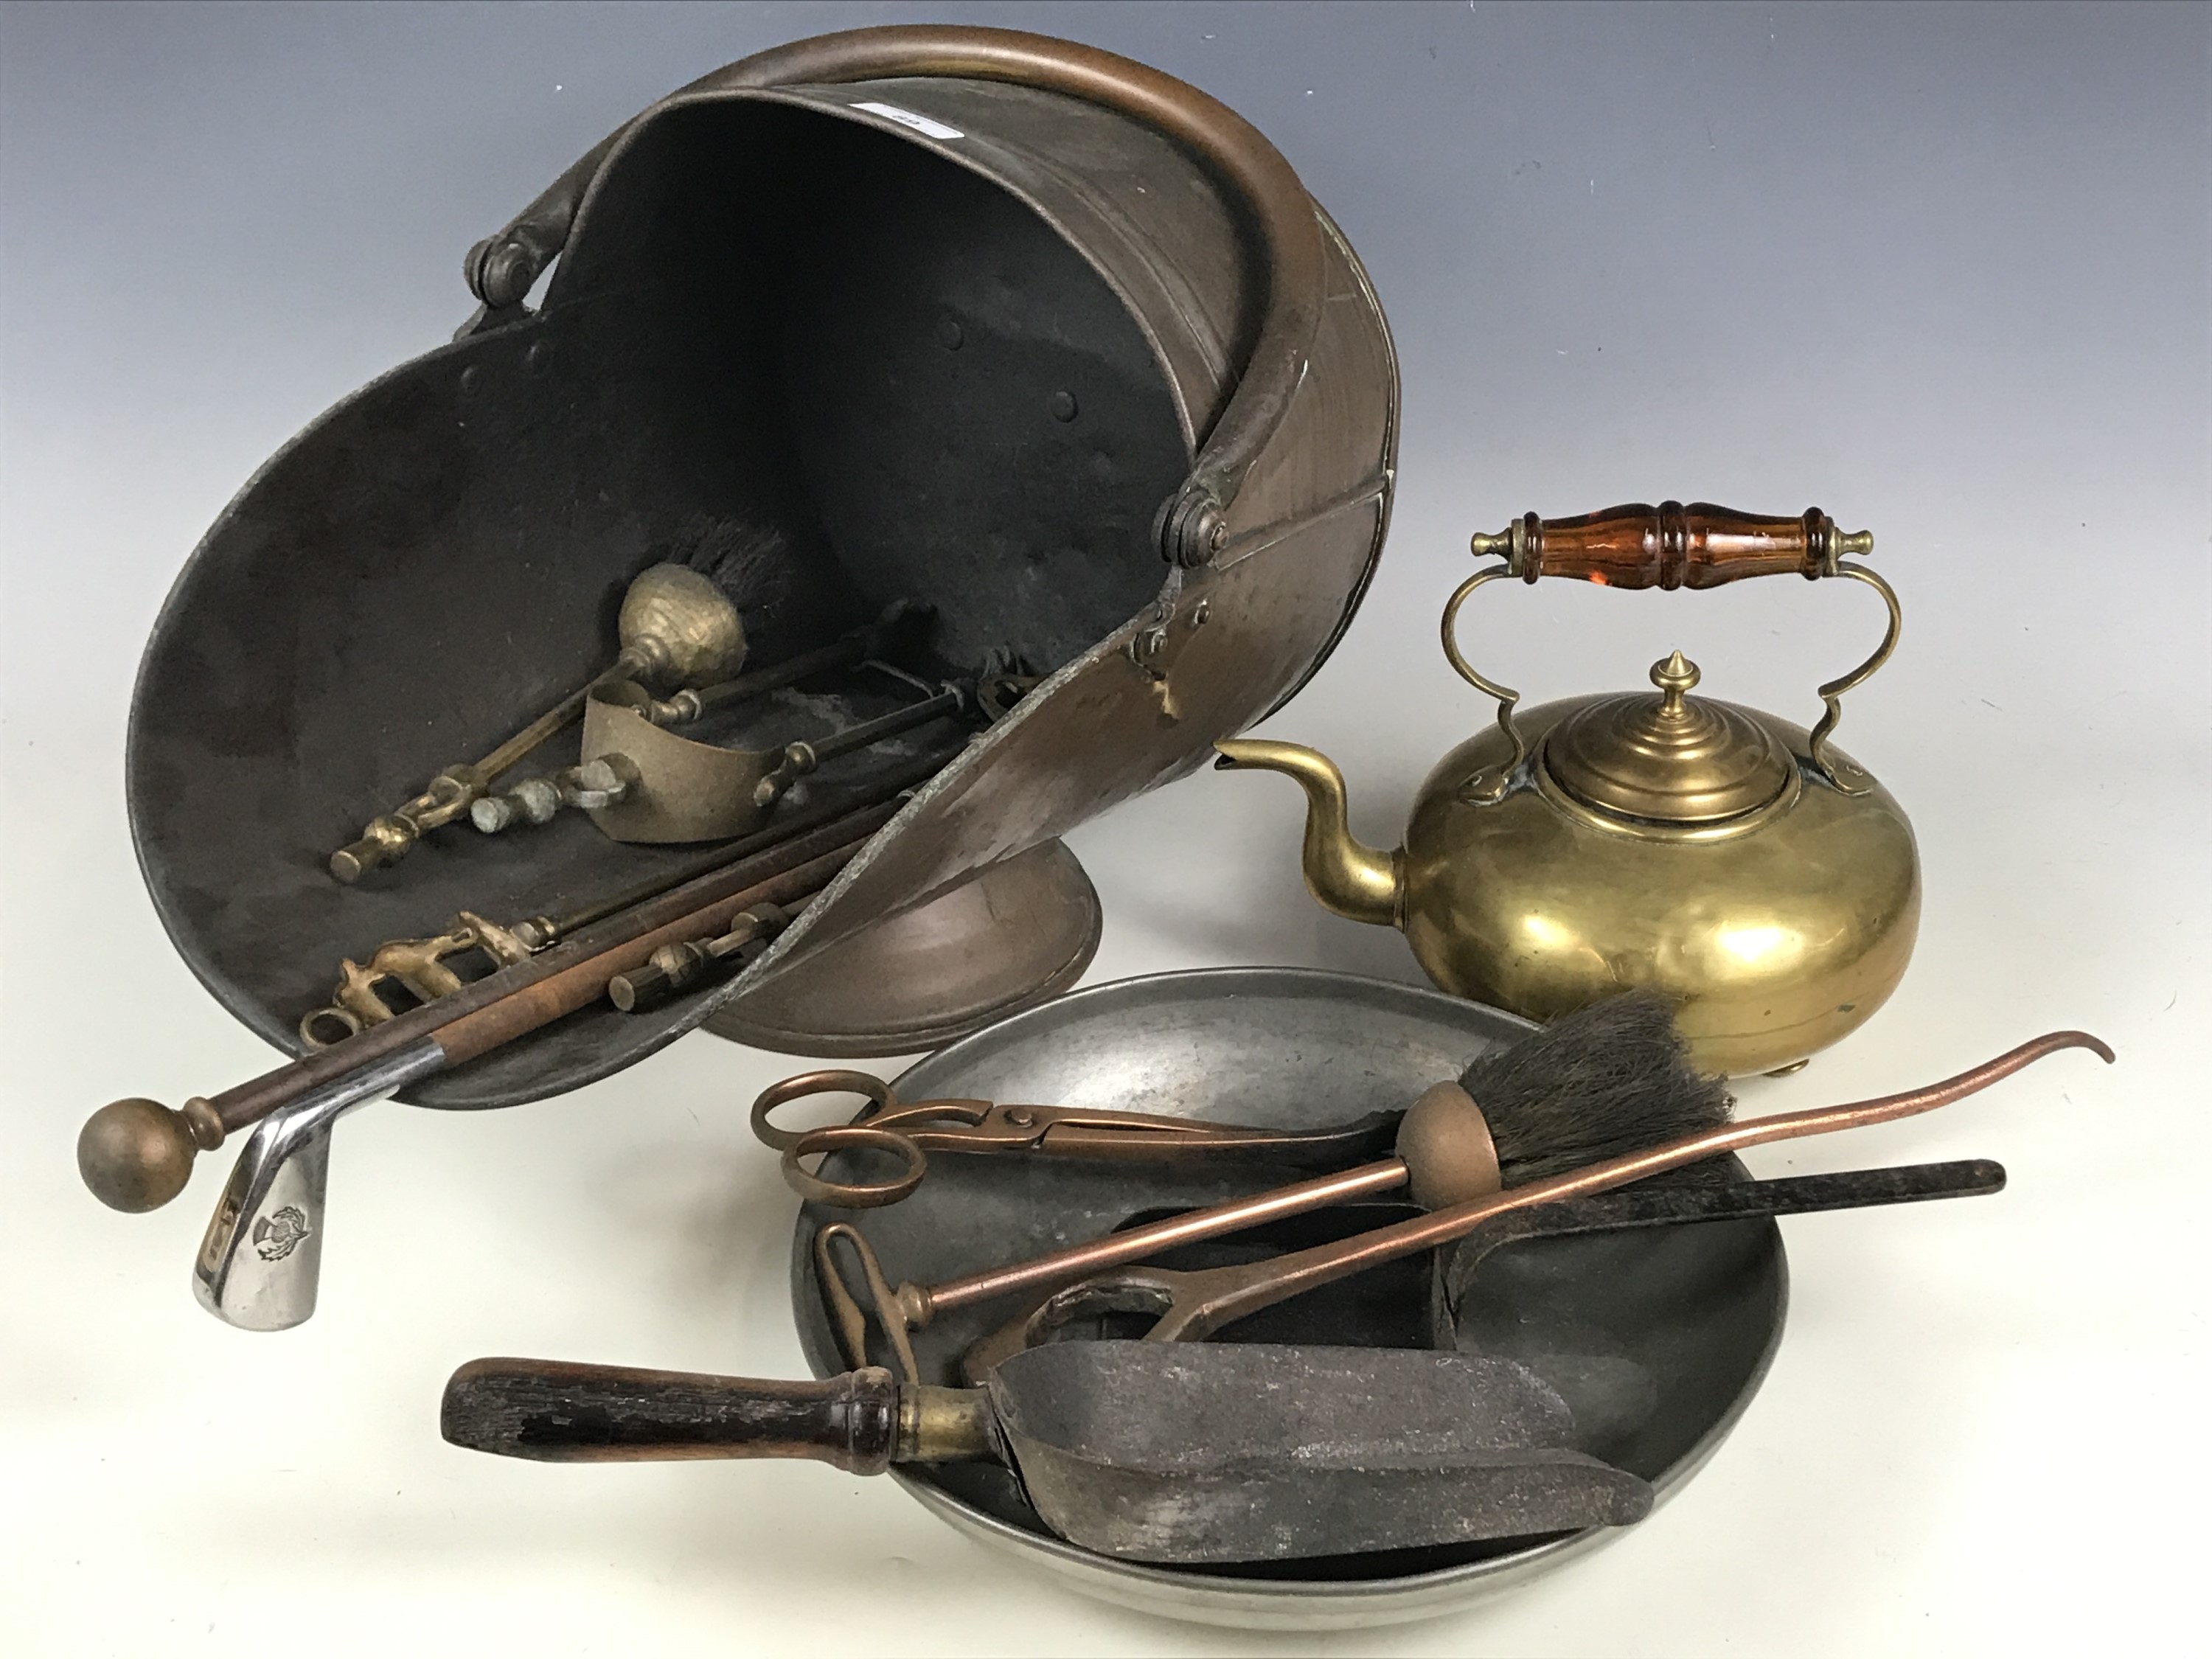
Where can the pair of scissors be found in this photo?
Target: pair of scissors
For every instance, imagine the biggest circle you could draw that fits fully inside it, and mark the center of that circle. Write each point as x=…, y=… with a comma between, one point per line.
x=911, y=1130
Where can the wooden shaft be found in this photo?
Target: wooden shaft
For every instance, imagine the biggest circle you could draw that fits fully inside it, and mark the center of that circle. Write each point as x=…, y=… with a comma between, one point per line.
x=1672, y=545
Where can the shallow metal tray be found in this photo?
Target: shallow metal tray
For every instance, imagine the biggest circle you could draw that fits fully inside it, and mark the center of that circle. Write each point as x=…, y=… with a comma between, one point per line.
x=1658, y=1340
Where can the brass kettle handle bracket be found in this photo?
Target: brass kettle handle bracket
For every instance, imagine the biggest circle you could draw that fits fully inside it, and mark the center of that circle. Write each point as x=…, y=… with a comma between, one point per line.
x=1847, y=777
x=1191, y=524
x=1670, y=546
x=1488, y=786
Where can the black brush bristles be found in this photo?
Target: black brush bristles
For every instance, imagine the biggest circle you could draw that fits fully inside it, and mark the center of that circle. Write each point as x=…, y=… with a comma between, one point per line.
x=750, y=562
x=1613, y=1077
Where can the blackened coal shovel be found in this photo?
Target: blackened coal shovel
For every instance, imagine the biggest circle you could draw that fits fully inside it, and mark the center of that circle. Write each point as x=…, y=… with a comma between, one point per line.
x=1147, y=1451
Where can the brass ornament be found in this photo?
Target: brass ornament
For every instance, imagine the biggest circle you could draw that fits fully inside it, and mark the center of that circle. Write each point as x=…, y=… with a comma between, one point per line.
x=420, y=967
x=676, y=629
x=424, y=970
x=639, y=781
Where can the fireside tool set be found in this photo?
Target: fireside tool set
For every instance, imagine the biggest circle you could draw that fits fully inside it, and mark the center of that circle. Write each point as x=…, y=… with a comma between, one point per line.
x=930, y=437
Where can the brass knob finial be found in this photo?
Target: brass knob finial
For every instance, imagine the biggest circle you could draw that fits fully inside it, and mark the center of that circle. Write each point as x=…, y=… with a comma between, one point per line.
x=1675, y=677
x=1510, y=544
x=136, y=1154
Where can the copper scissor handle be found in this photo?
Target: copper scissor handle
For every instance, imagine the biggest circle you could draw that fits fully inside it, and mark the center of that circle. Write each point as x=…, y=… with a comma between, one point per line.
x=873, y=1127
x=913, y=1129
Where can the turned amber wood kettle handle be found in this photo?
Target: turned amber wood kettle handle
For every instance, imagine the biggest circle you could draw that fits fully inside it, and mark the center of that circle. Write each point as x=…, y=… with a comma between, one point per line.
x=1670, y=546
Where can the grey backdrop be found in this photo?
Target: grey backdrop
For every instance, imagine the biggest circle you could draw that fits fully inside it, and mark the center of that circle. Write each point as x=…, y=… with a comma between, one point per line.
x=1942, y=270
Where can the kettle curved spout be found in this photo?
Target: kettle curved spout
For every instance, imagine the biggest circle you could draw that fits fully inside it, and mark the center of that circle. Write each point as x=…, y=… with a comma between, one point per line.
x=1347, y=876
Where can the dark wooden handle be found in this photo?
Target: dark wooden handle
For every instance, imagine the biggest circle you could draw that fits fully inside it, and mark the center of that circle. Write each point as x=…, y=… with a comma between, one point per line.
x=1671, y=545
x=565, y=1414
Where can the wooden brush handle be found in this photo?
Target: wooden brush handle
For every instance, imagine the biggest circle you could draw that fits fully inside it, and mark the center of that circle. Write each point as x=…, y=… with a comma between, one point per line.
x=1671, y=545
x=565, y=1414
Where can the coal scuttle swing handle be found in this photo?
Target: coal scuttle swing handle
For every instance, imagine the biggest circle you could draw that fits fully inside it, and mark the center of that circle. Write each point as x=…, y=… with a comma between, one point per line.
x=1192, y=526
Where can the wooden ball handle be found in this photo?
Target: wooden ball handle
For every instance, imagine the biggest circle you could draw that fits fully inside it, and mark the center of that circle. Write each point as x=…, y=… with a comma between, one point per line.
x=558, y=1413
x=1672, y=545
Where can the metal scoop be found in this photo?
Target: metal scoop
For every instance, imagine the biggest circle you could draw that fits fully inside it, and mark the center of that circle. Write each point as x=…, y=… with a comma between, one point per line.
x=1235, y=1452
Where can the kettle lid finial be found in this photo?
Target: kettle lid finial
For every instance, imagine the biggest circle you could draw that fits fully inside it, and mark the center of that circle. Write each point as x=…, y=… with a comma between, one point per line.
x=1672, y=759
x=1676, y=676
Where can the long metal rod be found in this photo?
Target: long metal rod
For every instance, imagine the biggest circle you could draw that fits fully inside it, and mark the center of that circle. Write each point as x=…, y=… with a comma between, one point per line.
x=1676, y=1205
x=838, y=653
x=357, y=1002
x=1204, y=1302
x=921, y=1304
x=1116, y=1249
x=251, y=1101
x=137, y=1155
x=889, y=788
x=260, y=1261
x=886, y=726
x=523, y=744
x=582, y=982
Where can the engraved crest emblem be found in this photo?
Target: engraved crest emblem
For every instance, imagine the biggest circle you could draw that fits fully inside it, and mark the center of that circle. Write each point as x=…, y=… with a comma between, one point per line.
x=276, y=1236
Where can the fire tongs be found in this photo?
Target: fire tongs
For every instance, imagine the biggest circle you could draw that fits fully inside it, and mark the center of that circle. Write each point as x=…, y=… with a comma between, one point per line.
x=1105, y=1276
x=1192, y=1306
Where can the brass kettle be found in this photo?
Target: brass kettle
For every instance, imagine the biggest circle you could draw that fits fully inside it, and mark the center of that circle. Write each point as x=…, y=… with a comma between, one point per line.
x=1736, y=862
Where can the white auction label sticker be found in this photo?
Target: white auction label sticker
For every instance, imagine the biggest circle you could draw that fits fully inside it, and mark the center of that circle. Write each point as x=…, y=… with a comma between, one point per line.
x=907, y=117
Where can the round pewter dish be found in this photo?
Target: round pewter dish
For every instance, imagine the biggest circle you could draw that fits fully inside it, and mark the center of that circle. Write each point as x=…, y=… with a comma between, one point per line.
x=1657, y=1340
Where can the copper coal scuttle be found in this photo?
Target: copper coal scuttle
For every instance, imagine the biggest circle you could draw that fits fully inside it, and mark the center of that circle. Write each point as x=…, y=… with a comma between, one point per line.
x=1017, y=394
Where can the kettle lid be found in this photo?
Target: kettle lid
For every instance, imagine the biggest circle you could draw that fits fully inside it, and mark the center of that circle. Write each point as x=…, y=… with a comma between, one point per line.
x=1670, y=759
